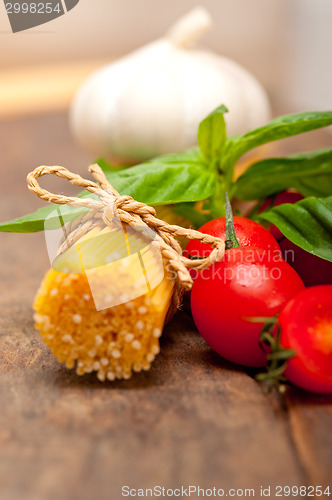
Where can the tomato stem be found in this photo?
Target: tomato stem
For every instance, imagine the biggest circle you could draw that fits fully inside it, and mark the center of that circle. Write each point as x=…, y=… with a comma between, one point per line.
x=231, y=239
x=277, y=357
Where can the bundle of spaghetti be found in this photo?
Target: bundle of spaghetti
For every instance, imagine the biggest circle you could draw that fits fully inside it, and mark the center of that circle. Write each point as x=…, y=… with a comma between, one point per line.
x=118, y=276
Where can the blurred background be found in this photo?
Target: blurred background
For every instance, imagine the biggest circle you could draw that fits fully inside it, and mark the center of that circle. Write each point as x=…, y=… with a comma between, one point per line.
x=286, y=44
x=60, y=436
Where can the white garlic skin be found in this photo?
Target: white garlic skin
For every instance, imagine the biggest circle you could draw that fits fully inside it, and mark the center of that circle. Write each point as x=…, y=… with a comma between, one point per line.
x=151, y=102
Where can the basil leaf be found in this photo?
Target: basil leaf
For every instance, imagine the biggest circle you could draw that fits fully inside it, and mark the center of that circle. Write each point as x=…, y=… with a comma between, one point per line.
x=159, y=182
x=212, y=134
x=307, y=223
x=34, y=222
x=280, y=128
x=310, y=174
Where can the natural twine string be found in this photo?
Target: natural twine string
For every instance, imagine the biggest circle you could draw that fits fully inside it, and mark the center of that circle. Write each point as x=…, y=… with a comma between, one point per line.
x=135, y=214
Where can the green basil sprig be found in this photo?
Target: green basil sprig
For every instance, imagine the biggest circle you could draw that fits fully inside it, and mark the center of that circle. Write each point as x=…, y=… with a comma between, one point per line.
x=206, y=172
x=153, y=183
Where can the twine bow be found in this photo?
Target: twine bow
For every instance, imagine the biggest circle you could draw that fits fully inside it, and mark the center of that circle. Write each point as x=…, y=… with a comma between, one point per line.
x=131, y=212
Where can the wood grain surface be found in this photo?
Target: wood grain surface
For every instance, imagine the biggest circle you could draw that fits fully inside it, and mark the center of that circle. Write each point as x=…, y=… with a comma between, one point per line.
x=194, y=419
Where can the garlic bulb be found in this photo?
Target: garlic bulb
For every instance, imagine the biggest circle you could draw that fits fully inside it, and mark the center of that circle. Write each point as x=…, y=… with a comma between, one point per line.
x=151, y=101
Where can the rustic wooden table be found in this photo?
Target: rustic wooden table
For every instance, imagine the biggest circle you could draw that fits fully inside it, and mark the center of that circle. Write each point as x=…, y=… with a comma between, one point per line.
x=194, y=419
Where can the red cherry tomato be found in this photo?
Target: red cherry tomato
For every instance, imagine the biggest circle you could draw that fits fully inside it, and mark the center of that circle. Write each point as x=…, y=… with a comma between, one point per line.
x=248, y=283
x=306, y=327
x=248, y=232
x=312, y=269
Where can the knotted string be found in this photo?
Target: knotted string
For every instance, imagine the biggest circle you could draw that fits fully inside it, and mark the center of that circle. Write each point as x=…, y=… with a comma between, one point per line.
x=131, y=212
